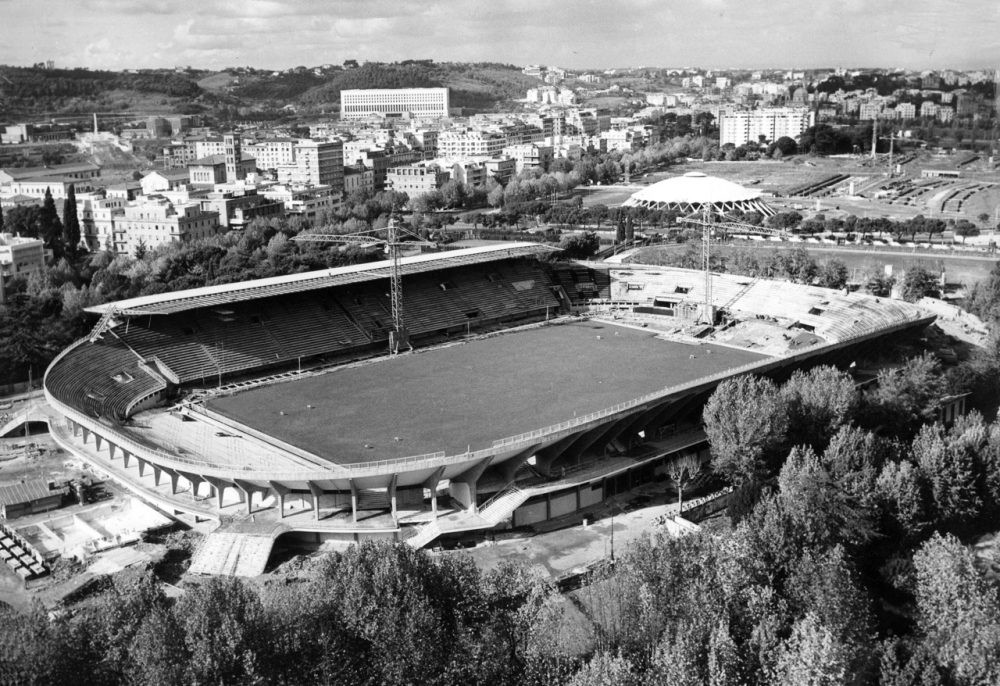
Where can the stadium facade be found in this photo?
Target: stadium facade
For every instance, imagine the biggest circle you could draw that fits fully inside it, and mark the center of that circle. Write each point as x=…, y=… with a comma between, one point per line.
x=274, y=398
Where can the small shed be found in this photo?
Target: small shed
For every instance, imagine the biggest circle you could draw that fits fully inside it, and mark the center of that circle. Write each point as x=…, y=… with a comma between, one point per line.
x=30, y=497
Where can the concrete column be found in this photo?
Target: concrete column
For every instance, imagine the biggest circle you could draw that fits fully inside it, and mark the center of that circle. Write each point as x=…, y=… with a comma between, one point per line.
x=86, y=434
x=392, y=495
x=463, y=487
x=156, y=474
x=126, y=458
x=246, y=492
x=354, y=501
x=98, y=440
x=431, y=484
x=316, y=492
x=142, y=466
x=220, y=488
x=111, y=450
x=280, y=492
x=75, y=427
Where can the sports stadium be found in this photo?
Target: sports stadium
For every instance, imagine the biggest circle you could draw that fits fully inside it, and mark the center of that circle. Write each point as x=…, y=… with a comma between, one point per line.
x=534, y=389
x=697, y=192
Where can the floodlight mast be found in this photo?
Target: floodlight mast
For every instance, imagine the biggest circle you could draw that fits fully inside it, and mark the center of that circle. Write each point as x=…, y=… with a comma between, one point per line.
x=707, y=225
x=398, y=337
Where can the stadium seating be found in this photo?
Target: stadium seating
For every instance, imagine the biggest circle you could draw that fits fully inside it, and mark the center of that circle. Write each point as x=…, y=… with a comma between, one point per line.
x=200, y=344
x=102, y=378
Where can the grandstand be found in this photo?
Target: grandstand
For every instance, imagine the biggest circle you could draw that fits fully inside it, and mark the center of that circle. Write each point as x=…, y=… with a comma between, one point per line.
x=274, y=398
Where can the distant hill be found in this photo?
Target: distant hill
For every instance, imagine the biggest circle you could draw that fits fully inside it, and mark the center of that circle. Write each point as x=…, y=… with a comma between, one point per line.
x=29, y=90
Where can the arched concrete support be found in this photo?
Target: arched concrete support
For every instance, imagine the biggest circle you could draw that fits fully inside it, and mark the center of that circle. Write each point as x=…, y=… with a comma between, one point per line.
x=637, y=421
x=220, y=487
x=591, y=438
x=195, y=481
x=463, y=486
x=508, y=468
x=672, y=410
x=546, y=456
x=279, y=492
x=431, y=483
x=174, y=477
x=246, y=490
x=316, y=492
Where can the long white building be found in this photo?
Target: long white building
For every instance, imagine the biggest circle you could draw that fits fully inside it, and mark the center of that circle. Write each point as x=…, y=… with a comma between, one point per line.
x=394, y=102
x=772, y=123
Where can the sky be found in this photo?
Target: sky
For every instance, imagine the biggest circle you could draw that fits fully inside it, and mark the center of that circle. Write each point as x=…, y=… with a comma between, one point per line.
x=575, y=34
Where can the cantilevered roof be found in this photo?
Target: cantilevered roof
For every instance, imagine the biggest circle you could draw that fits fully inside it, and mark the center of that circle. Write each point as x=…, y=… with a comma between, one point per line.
x=693, y=188
x=209, y=296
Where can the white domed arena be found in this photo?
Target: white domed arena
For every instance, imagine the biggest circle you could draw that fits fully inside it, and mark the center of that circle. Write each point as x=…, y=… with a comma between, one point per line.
x=693, y=191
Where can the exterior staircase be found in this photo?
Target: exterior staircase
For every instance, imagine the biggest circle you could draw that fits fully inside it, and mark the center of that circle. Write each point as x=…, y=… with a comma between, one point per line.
x=495, y=510
x=232, y=554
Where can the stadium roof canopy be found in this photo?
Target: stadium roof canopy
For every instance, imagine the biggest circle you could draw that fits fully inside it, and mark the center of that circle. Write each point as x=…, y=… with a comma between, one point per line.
x=209, y=296
x=694, y=190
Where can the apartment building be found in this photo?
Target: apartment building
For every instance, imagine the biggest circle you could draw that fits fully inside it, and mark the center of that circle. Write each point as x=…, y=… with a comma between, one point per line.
x=157, y=221
x=19, y=257
x=772, y=123
x=416, y=179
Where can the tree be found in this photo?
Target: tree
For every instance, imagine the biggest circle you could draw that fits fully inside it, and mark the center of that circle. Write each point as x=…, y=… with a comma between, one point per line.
x=746, y=423
x=958, y=610
x=818, y=403
x=812, y=656
x=965, y=229
x=681, y=471
x=823, y=514
x=1, y=219
x=784, y=146
x=453, y=194
x=907, y=397
x=580, y=246
x=71, y=223
x=949, y=465
x=223, y=626
x=49, y=227
x=832, y=274
x=900, y=486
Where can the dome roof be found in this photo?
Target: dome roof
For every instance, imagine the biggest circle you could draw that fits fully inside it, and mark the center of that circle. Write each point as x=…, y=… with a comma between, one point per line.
x=692, y=188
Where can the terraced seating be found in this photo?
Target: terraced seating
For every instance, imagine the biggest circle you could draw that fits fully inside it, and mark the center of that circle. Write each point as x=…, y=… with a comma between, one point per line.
x=102, y=379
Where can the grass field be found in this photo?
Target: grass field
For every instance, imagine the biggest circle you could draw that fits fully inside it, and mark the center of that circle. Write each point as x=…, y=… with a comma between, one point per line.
x=469, y=395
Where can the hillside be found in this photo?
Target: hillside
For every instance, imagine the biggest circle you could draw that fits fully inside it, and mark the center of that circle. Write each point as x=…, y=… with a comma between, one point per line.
x=26, y=91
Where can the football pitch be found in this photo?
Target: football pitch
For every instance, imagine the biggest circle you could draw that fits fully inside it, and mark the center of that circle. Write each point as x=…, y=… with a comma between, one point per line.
x=465, y=396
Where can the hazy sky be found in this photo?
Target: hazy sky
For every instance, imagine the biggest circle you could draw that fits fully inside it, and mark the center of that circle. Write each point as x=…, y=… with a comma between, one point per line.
x=919, y=34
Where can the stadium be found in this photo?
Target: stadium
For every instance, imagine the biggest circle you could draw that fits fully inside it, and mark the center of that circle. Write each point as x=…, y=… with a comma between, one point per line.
x=534, y=389
x=696, y=192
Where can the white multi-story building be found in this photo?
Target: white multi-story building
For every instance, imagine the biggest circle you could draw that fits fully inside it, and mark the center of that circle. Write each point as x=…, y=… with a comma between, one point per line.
x=301, y=201
x=529, y=156
x=97, y=217
x=870, y=110
x=19, y=257
x=317, y=163
x=156, y=222
x=394, y=102
x=772, y=123
x=906, y=110
x=470, y=143
x=272, y=153
x=416, y=179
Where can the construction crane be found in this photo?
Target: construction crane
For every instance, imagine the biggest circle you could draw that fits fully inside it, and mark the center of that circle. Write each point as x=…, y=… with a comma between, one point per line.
x=392, y=240
x=726, y=226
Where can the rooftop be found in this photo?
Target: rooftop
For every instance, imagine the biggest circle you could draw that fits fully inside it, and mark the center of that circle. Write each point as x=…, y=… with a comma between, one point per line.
x=168, y=303
x=693, y=187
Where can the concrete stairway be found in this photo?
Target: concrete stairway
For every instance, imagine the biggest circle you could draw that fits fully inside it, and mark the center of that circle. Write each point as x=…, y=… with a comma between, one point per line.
x=232, y=554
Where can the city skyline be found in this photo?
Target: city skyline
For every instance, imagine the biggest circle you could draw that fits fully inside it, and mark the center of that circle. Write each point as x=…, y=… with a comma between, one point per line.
x=278, y=34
